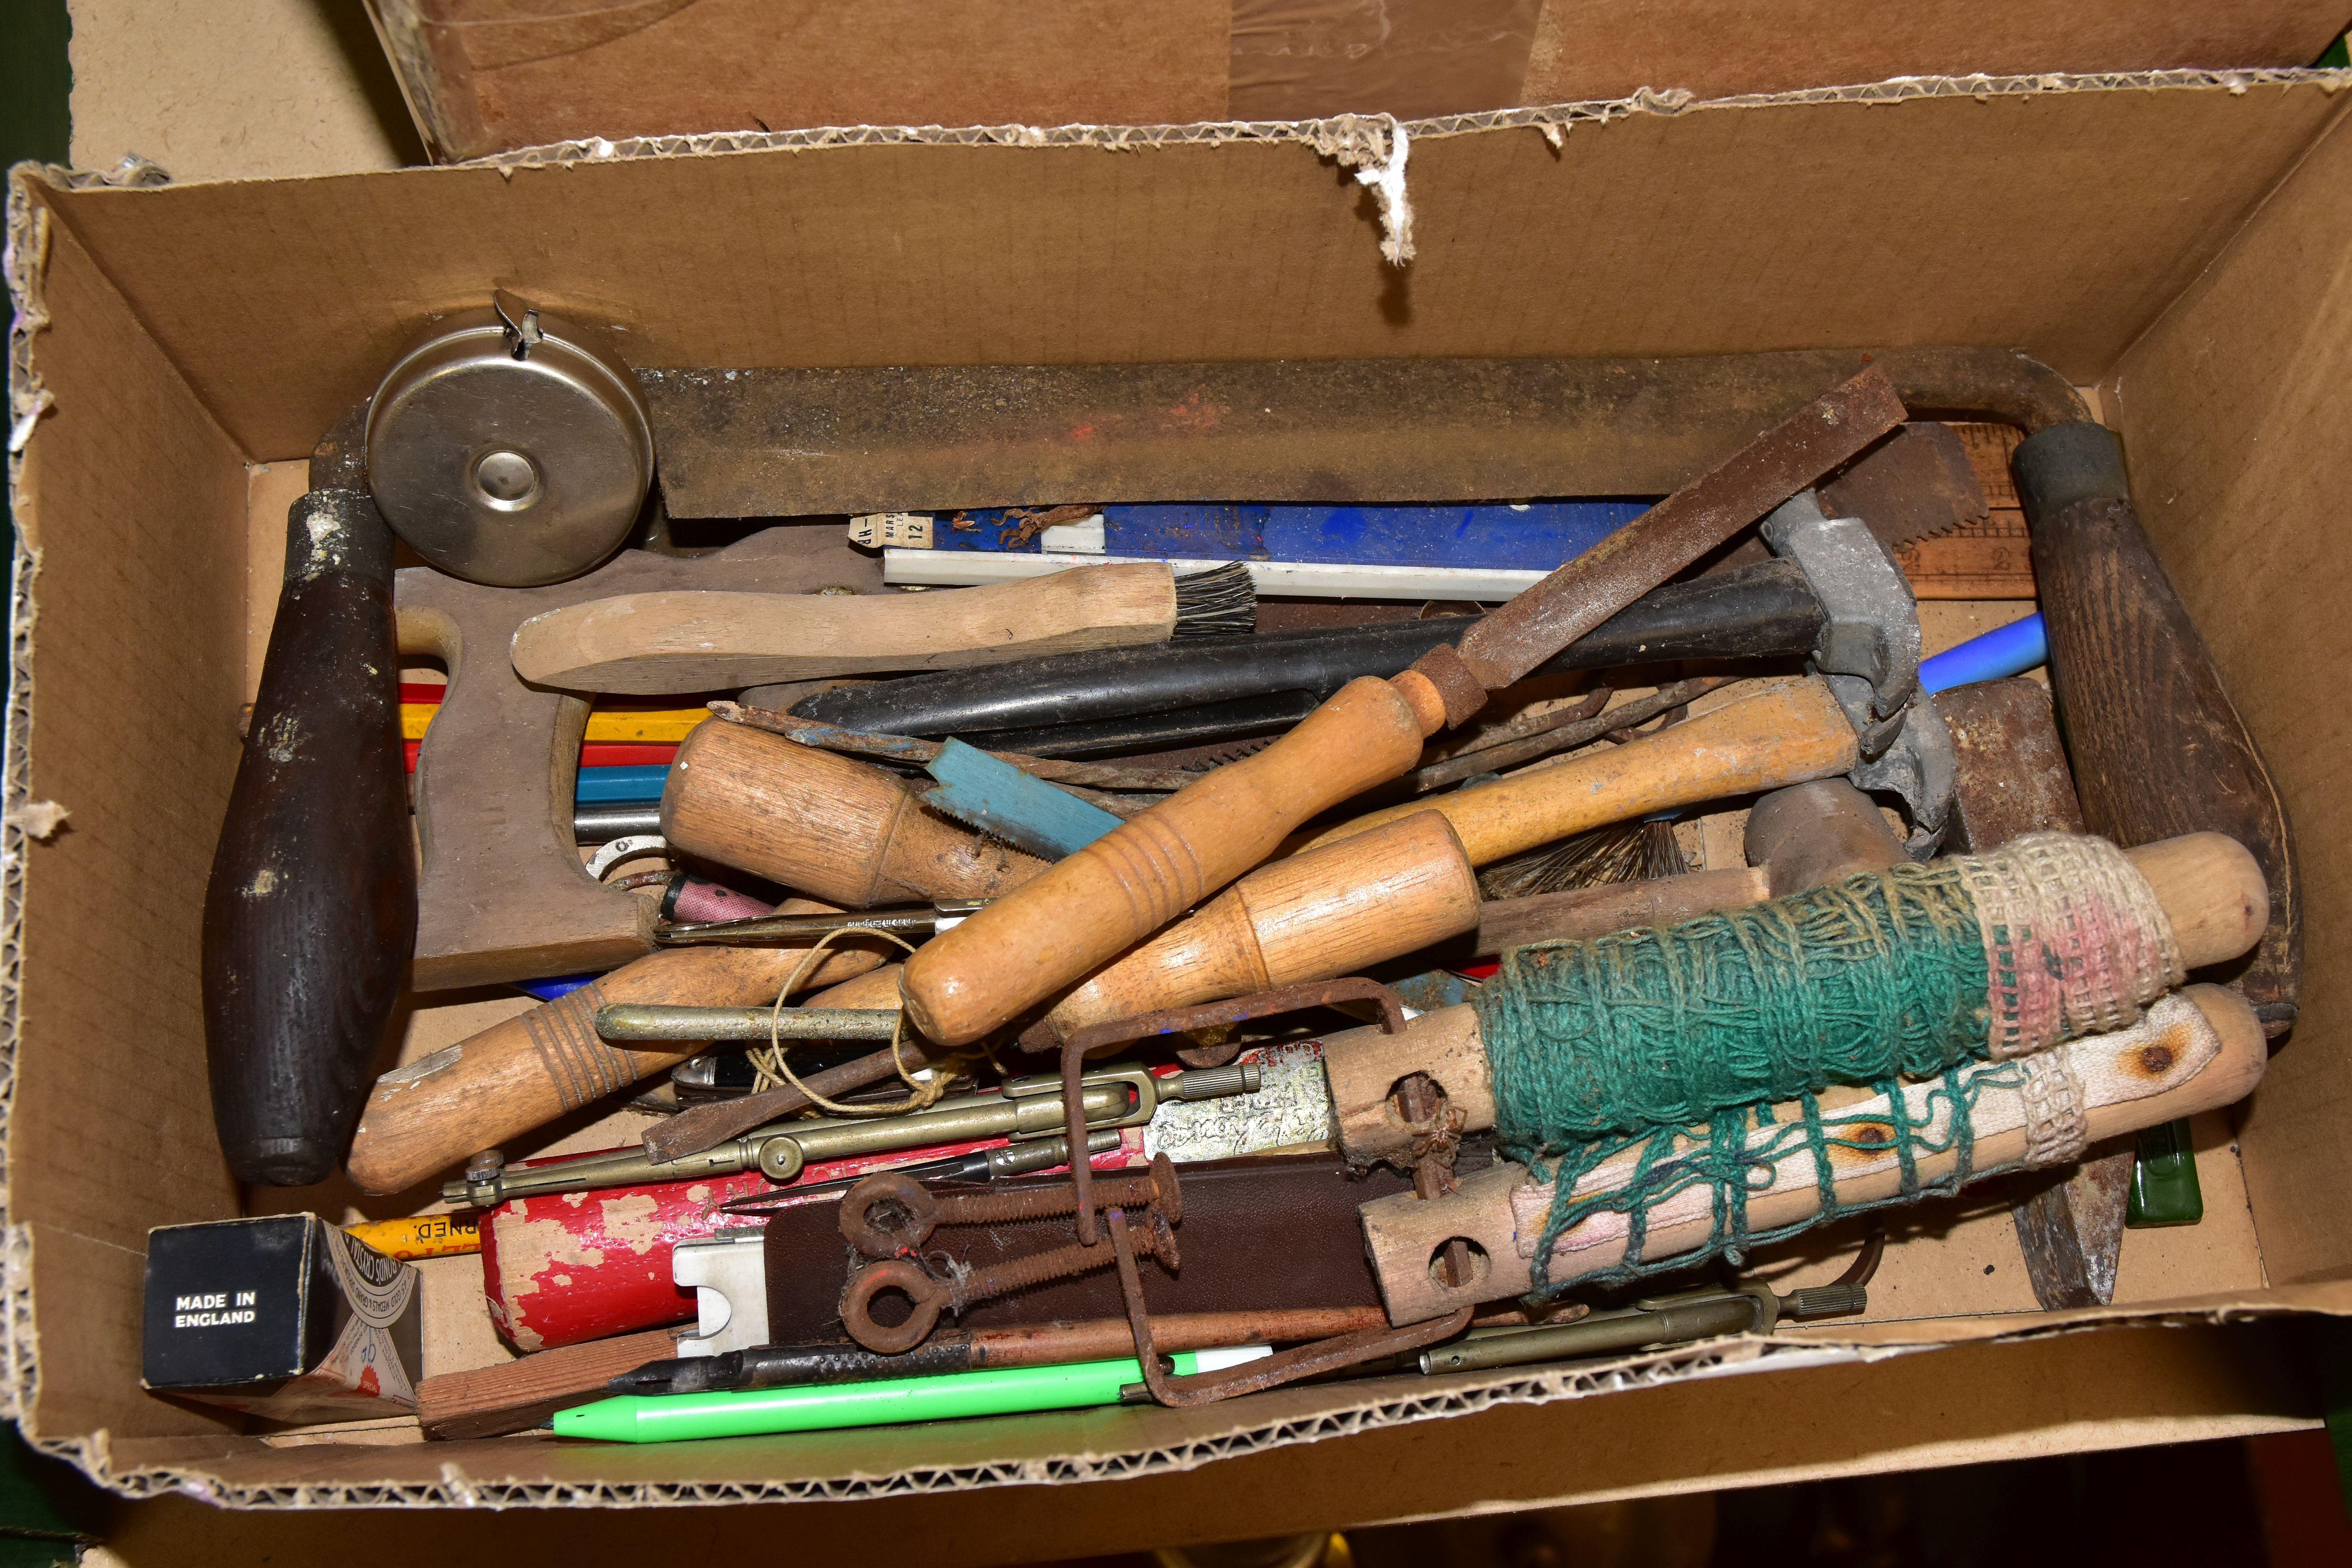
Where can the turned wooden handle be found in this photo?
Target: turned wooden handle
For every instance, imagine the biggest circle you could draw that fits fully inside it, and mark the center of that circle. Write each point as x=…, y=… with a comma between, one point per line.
x=2210, y=887
x=1381, y=894
x=709, y=641
x=1787, y=732
x=823, y=824
x=1129, y=883
x=2117, y=1073
x=529, y=1070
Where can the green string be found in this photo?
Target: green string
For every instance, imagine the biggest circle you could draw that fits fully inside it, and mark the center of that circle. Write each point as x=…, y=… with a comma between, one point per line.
x=1726, y=1154
x=1879, y=977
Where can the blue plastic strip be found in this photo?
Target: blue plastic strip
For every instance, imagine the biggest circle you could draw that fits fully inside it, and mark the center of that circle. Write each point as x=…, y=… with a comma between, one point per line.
x=548, y=989
x=1536, y=537
x=619, y=786
x=1025, y=812
x=2012, y=650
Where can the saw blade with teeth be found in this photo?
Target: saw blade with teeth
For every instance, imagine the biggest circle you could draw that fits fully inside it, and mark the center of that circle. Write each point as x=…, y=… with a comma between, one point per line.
x=1916, y=484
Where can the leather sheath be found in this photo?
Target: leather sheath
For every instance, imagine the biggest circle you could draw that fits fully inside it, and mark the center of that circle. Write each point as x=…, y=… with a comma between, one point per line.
x=1262, y=1232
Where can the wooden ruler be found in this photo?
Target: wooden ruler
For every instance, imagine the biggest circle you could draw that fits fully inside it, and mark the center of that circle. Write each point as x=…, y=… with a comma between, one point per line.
x=1988, y=560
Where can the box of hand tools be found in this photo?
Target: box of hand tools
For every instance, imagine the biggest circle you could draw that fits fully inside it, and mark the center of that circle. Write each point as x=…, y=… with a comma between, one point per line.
x=623, y=775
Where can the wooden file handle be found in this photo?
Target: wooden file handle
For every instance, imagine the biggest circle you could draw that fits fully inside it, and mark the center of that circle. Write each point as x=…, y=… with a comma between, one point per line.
x=2158, y=749
x=1383, y=893
x=823, y=824
x=310, y=914
x=529, y=1070
x=1129, y=883
x=702, y=641
x=2116, y=1073
x=2209, y=887
x=1787, y=732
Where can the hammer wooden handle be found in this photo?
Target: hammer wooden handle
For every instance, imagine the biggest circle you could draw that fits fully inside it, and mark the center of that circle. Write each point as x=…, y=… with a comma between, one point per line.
x=1788, y=733
x=1110, y=895
x=823, y=825
x=1381, y=894
x=529, y=1070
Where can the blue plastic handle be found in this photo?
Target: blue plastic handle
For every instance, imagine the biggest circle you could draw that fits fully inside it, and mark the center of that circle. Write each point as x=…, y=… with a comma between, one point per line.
x=2012, y=650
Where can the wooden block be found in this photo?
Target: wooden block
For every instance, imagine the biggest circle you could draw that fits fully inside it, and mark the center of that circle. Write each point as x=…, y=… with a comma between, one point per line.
x=501, y=894
x=521, y=1393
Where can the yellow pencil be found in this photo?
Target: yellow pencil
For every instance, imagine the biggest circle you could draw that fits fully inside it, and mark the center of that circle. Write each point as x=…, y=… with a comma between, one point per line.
x=422, y=1236
x=619, y=724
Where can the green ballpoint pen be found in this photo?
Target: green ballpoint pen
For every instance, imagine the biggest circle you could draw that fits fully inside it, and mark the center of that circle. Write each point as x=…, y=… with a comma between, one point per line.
x=1007, y=1391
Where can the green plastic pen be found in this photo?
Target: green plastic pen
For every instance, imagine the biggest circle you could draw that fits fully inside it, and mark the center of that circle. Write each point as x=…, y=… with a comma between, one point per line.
x=1007, y=1391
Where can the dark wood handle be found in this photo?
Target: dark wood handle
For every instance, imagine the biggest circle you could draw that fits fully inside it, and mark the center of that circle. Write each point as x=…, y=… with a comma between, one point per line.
x=2158, y=749
x=310, y=915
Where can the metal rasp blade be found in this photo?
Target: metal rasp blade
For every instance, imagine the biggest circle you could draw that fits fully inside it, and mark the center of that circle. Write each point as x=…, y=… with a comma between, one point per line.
x=1917, y=484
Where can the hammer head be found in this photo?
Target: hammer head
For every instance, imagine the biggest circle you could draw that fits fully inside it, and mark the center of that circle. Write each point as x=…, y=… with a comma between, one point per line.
x=1868, y=656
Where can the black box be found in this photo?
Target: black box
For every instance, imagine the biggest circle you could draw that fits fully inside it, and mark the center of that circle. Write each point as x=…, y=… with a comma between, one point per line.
x=285, y=1317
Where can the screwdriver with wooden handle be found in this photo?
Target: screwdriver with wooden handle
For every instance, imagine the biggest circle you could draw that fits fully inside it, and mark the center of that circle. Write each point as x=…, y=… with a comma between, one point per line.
x=1127, y=884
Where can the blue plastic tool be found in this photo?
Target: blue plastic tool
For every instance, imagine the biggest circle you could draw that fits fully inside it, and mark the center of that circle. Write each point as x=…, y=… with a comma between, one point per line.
x=998, y=798
x=2012, y=650
x=1536, y=537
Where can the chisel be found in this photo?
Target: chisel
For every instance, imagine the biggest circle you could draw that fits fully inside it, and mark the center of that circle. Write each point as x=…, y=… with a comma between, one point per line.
x=1118, y=890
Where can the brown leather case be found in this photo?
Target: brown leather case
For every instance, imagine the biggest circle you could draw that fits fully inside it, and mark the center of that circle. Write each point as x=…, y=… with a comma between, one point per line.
x=1269, y=1231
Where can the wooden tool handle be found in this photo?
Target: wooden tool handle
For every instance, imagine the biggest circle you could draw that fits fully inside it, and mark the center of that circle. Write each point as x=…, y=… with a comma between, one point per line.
x=2157, y=747
x=2209, y=887
x=1787, y=732
x=529, y=1070
x=823, y=824
x=1387, y=893
x=310, y=914
x=1129, y=883
x=653, y=643
x=2133, y=1078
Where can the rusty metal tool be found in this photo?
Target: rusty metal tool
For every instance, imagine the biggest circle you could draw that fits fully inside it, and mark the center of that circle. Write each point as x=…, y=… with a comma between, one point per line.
x=2011, y=779
x=310, y=912
x=1118, y=890
x=1323, y=1356
x=1157, y=1192
x=885, y=1214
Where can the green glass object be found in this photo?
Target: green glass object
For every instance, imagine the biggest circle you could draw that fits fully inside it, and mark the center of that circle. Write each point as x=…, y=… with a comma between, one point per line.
x=2164, y=1188
x=664, y=1418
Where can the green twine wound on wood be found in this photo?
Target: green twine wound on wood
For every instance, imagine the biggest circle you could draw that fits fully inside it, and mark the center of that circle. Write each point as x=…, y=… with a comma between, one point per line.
x=1877, y=977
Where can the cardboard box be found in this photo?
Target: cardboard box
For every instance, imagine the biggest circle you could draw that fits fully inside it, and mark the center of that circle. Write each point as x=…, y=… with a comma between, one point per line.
x=2178, y=240
x=483, y=76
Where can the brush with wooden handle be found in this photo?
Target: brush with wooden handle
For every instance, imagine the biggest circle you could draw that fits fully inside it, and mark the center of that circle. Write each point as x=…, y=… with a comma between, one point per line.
x=1131, y=882
x=2195, y=1050
x=823, y=824
x=647, y=644
x=529, y=1070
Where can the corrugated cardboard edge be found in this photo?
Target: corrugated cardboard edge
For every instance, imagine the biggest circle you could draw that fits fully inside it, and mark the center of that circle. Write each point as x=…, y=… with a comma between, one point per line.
x=1367, y=142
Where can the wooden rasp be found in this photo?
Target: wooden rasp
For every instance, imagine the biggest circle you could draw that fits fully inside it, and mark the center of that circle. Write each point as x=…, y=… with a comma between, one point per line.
x=1125, y=886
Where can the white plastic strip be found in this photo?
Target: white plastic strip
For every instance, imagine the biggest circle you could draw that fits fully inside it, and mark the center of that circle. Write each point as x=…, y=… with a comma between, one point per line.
x=1293, y=579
